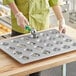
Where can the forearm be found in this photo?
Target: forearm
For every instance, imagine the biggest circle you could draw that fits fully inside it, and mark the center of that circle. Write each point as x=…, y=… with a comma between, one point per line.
x=14, y=8
x=61, y=20
x=58, y=12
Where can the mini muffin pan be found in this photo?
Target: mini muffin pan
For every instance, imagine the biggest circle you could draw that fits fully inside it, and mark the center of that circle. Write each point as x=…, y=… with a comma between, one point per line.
x=26, y=49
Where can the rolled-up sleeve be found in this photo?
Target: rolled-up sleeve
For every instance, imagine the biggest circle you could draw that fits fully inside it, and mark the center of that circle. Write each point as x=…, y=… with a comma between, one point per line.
x=53, y=2
x=7, y=1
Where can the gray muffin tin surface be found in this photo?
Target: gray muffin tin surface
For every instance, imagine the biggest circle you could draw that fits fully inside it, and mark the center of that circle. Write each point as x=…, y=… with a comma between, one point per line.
x=48, y=43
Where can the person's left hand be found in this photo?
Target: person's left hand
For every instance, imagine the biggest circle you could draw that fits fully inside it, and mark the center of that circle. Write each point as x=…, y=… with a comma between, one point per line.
x=62, y=26
x=62, y=29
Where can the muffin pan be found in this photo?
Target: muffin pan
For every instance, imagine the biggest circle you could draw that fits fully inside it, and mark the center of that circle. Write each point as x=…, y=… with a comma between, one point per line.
x=26, y=49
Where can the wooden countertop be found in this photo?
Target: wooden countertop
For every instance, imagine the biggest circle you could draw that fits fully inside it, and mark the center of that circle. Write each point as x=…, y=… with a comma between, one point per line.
x=9, y=67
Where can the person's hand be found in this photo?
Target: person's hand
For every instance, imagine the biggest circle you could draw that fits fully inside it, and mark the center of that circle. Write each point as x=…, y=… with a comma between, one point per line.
x=62, y=26
x=21, y=20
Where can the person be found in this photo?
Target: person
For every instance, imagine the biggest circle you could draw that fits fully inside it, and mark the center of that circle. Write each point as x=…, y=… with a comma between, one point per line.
x=34, y=13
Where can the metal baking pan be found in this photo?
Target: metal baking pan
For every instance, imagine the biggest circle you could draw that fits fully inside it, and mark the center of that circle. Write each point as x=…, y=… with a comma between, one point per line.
x=26, y=49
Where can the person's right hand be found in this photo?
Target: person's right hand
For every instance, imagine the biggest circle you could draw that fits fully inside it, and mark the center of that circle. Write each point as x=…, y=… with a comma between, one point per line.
x=21, y=20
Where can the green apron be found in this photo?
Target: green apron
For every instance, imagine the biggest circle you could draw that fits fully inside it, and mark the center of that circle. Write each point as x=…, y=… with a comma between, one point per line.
x=36, y=11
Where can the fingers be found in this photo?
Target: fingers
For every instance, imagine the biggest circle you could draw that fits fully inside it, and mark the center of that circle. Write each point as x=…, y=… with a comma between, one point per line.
x=23, y=22
x=20, y=22
x=62, y=29
x=26, y=21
